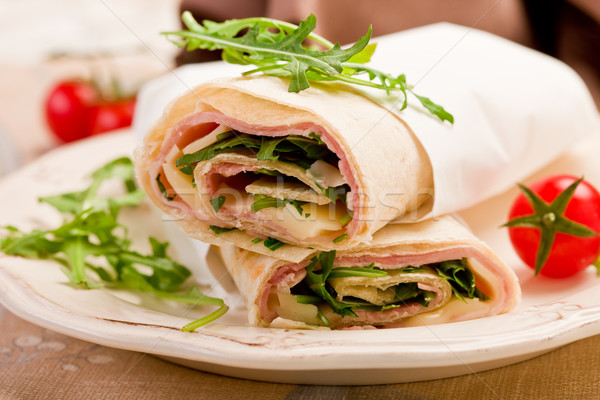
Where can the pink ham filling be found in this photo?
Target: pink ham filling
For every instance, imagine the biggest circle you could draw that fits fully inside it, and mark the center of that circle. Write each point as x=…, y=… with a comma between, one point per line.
x=201, y=124
x=213, y=178
x=291, y=274
x=405, y=310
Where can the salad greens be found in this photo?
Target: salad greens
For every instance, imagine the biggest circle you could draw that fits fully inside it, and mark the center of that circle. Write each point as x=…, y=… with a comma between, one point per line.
x=273, y=244
x=217, y=202
x=460, y=277
x=340, y=238
x=316, y=281
x=218, y=230
x=163, y=190
x=261, y=201
x=91, y=240
x=282, y=49
x=299, y=150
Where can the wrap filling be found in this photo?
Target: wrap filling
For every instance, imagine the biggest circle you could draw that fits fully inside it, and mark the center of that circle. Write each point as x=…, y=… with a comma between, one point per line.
x=287, y=185
x=325, y=294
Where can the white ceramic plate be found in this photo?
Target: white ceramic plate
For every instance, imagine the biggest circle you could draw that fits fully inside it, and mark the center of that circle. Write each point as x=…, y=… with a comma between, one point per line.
x=553, y=313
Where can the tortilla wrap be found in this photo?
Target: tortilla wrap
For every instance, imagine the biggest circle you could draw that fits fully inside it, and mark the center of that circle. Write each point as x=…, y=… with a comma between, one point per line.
x=372, y=161
x=268, y=284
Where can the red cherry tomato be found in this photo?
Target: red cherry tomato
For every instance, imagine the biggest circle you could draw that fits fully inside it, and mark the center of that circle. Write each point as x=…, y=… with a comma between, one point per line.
x=76, y=109
x=68, y=109
x=569, y=254
x=108, y=116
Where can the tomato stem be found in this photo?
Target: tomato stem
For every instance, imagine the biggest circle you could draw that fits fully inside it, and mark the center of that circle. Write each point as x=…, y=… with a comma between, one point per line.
x=548, y=219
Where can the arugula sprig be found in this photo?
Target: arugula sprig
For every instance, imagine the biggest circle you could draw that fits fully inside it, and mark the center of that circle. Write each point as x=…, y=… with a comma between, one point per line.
x=461, y=279
x=92, y=240
x=261, y=201
x=278, y=48
x=317, y=280
x=293, y=149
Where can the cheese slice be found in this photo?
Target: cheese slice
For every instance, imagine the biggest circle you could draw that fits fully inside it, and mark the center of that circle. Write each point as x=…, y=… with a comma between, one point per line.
x=180, y=182
x=325, y=174
x=319, y=221
x=280, y=189
x=205, y=141
x=289, y=308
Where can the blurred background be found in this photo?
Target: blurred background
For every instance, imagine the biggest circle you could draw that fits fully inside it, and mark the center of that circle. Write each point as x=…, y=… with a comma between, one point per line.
x=44, y=43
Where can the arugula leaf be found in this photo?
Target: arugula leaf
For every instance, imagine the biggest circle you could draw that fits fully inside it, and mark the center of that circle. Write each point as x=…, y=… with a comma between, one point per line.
x=268, y=50
x=405, y=291
x=316, y=282
x=76, y=202
x=316, y=137
x=335, y=193
x=347, y=218
x=92, y=239
x=217, y=202
x=366, y=272
x=265, y=171
x=273, y=244
x=262, y=201
x=162, y=189
x=267, y=149
x=218, y=230
x=340, y=238
x=293, y=149
x=278, y=48
x=461, y=279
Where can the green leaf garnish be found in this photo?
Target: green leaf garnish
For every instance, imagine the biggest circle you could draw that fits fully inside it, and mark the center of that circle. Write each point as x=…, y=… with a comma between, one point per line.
x=293, y=149
x=336, y=193
x=92, y=240
x=217, y=202
x=262, y=201
x=340, y=238
x=365, y=272
x=265, y=171
x=273, y=244
x=347, y=218
x=316, y=282
x=161, y=187
x=461, y=279
x=278, y=48
x=218, y=230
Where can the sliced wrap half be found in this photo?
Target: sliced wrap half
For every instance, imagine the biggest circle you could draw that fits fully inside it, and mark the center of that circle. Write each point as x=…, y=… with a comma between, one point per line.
x=325, y=168
x=426, y=273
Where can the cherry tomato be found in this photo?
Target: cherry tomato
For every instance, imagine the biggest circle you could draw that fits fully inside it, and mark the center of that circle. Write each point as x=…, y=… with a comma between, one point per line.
x=76, y=109
x=69, y=111
x=108, y=116
x=569, y=254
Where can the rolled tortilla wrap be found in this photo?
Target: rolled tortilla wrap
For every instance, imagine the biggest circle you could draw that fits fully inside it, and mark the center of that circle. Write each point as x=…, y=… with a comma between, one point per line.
x=509, y=122
x=245, y=153
x=407, y=279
